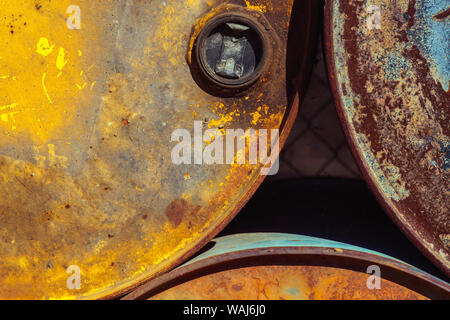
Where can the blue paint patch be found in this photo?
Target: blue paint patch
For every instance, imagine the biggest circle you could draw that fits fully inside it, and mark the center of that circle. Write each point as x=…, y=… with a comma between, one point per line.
x=294, y=291
x=432, y=37
x=393, y=66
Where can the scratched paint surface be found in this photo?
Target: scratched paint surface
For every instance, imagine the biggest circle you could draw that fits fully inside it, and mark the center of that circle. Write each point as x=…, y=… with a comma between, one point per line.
x=86, y=118
x=391, y=85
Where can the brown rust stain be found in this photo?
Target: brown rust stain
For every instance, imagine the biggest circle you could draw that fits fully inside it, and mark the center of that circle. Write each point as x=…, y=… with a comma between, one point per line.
x=442, y=15
x=179, y=209
x=237, y=287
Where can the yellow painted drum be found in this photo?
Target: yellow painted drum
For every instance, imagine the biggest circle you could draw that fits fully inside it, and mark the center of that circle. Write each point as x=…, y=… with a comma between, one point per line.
x=91, y=201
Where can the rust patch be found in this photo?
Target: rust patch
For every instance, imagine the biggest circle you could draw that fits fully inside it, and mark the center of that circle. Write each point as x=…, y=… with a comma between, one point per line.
x=237, y=287
x=442, y=15
x=179, y=209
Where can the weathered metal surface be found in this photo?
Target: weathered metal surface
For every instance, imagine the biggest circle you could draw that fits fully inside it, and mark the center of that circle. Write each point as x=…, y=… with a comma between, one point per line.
x=281, y=266
x=389, y=69
x=86, y=117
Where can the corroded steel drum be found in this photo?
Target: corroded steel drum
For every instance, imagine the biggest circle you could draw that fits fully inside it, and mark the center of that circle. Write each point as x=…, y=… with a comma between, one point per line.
x=89, y=98
x=389, y=70
x=291, y=267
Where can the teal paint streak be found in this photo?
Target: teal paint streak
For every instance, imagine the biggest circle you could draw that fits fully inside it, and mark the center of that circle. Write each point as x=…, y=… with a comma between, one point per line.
x=244, y=242
x=341, y=67
x=249, y=241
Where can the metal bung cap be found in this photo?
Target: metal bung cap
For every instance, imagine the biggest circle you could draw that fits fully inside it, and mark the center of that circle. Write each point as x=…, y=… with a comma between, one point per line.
x=232, y=51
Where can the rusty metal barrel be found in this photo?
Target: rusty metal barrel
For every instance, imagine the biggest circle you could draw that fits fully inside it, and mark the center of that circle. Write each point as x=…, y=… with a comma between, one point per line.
x=291, y=267
x=93, y=98
x=389, y=70
x=113, y=167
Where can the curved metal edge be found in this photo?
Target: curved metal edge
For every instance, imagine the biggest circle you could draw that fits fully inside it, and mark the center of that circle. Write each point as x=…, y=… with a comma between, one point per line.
x=300, y=87
x=251, y=246
x=385, y=203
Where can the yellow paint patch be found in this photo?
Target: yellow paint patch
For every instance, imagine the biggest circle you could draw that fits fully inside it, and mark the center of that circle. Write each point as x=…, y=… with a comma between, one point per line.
x=45, y=88
x=257, y=6
x=6, y=113
x=256, y=116
x=82, y=86
x=31, y=73
x=60, y=61
x=10, y=106
x=43, y=47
